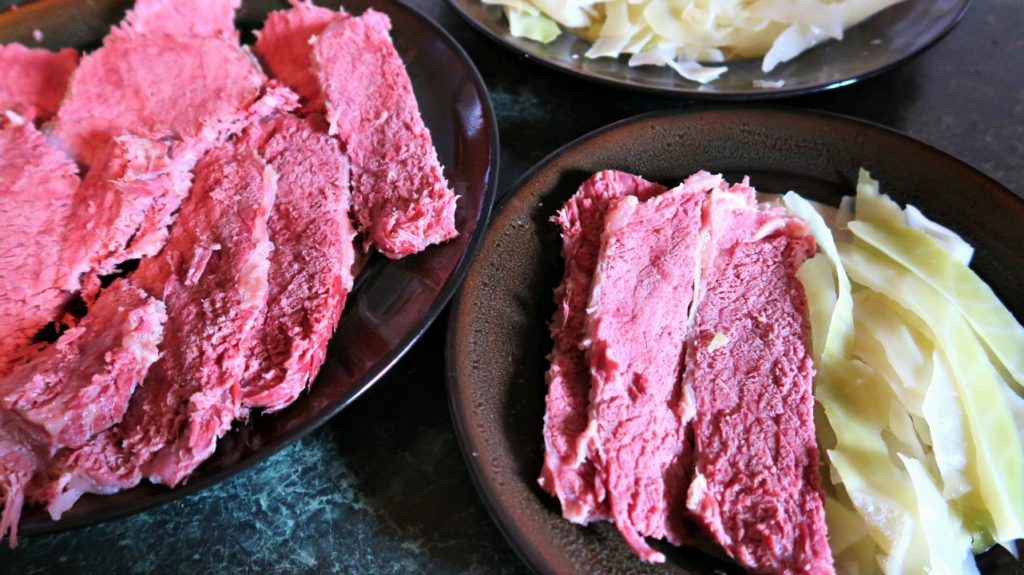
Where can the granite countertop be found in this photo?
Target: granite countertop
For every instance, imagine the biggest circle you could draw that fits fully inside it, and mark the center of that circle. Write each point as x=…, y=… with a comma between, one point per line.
x=382, y=487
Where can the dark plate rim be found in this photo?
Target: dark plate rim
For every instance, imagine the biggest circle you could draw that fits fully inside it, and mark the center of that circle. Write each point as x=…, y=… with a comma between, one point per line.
x=517, y=535
x=693, y=94
x=441, y=301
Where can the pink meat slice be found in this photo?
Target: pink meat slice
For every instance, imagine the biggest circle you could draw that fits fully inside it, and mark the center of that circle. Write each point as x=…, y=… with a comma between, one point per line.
x=756, y=486
x=75, y=388
x=569, y=471
x=400, y=197
x=214, y=83
x=37, y=187
x=33, y=81
x=283, y=45
x=311, y=266
x=636, y=325
x=212, y=276
x=123, y=207
x=182, y=18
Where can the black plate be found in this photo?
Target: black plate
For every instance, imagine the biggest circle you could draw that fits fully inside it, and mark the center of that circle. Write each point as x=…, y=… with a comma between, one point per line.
x=393, y=302
x=498, y=334
x=889, y=38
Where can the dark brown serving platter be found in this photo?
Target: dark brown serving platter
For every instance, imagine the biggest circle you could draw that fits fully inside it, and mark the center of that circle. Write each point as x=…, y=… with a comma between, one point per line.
x=498, y=334
x=393, y=302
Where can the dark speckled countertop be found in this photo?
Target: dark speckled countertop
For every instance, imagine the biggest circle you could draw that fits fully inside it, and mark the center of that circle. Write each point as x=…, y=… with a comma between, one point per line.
x=382, y=487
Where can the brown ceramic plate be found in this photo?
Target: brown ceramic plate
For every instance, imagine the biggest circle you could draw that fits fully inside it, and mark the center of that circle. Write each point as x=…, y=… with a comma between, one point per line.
x=880, y=43
x=393, y=302
x=498, y=332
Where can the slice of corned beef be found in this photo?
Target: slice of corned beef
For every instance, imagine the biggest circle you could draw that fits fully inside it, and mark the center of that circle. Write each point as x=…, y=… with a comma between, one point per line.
x=182, y=18
x=311, y=266
x=191, y=91
x=399, y=195
x=283, y=47
x=636, y=329
x=569, y=471
x=75, y=388
x=37, y=187
x=123, y=208
x=19, y=463
x=755, y=485
x=33, y=81
x=212, y=276
x=80, y=385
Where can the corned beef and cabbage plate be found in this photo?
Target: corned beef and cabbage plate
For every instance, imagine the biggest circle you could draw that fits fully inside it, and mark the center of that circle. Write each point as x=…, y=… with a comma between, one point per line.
x=798, y=388
x=187, y=217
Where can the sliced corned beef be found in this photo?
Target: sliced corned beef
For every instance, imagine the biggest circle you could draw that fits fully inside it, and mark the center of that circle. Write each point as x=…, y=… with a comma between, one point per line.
x=636, y=330
x=81, y=384
x=75, y=388
x=19, y=463
x=755, y=486
x=191, y=91
x=37, y=187
x=283, y=47
x=400, y=197
x=569, y=471
x=182, y=18
x=123, y=207
x=212, y=276
x=311, y=266
x=33, y=81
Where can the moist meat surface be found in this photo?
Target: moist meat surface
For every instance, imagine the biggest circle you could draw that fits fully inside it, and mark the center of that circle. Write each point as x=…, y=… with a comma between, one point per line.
x=311, y=265
x=190, y=91
x=212, y=276
x=569, y=471
x=37, y=187
x=283, y=47
x=755, y=486
x=182, y=18
x=636, y=328
x=400, y=198
x=75, y=388
x=123, y=207
x=33, y=81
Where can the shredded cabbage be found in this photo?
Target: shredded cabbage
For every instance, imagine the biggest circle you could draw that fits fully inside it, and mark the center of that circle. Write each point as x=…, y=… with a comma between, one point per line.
x=913, y=354
x=989, y=318
x=686, y=34
x=999, y=458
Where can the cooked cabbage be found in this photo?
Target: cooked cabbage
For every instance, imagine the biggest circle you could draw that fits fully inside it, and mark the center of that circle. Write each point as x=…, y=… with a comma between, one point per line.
x=914, y=355
x=687, y=34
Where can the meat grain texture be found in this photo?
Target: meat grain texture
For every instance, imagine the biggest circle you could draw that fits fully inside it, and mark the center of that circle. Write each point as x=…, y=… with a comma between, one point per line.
x=569, y=470
x=37, y=188
x=33, y=81
x=698, y=397
x=75, y=388
x=213, y=278
x=400, y=198
x=636, y=328
x=222, y=82
x=311, y=266
x=756, y=487
x=283, y=45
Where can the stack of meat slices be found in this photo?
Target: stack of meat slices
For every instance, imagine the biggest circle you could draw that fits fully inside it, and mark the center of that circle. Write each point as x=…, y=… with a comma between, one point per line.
x=679, y=399
x=206, y=214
